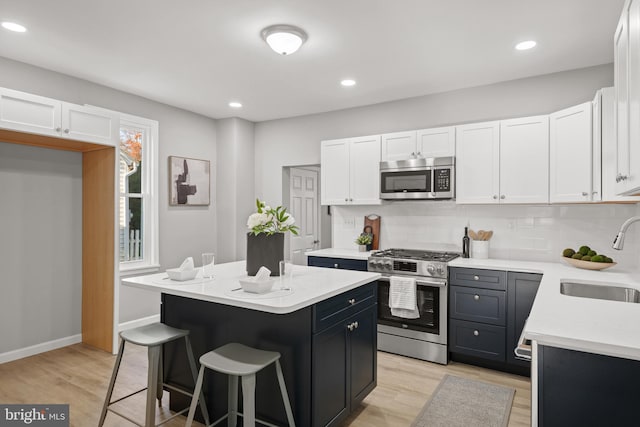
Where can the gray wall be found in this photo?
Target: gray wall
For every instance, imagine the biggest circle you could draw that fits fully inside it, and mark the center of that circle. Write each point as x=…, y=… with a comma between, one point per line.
x=235, y=187
x=184, y=231
x=40, y=231
x=296, y=141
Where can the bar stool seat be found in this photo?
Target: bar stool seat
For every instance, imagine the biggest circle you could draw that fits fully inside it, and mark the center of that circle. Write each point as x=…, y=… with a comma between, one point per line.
x=152, y=336
x=238, y=360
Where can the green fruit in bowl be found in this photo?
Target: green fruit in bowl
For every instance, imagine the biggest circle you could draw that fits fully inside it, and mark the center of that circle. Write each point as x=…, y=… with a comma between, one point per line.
x=607, y=259
x=584, y=250
x=598, y=258
x=568, y=253
x=586, y=258
x=592, y=253
x=577, y=256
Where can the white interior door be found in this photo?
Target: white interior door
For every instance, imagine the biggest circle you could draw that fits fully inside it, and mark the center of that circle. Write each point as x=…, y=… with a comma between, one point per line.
x=303, y=190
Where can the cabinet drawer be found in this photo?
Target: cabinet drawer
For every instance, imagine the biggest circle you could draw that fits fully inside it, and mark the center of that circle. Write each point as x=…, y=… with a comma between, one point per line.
x=478, y=278
x=478, y=305
x=336, y=309
x=343, y=263
x=477, y=339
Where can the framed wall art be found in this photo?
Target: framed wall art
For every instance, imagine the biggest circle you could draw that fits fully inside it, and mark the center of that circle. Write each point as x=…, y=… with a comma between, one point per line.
x=189, y=181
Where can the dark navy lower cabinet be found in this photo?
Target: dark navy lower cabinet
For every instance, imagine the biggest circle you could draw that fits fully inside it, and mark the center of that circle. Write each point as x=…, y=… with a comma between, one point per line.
x=344, y=366
x=342, y=263
x=585, y=389
x=487, y=312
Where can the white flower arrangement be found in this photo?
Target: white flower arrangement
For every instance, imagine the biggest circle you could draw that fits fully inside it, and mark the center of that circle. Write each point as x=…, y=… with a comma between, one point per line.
x=268, y=220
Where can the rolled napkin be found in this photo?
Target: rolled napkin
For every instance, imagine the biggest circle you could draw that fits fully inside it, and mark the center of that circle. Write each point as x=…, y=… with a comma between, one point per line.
x=402, y=297
x=263, y=274
x=186, y=265
x=186, y=271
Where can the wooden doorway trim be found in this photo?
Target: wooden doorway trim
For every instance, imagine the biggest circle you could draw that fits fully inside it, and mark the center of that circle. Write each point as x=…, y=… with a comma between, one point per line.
x=99, y=263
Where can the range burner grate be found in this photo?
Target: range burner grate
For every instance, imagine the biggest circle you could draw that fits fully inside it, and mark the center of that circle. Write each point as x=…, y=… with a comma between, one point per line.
x=417, y=254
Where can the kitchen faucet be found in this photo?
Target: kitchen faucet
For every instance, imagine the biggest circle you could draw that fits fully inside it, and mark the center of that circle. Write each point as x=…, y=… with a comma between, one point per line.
x=618, y=242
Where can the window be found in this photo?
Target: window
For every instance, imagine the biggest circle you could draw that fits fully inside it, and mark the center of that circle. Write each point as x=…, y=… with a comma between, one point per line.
x=138, y=206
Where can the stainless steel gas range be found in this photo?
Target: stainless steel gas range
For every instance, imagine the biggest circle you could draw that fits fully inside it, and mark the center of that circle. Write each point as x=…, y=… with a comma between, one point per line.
x=425, y=337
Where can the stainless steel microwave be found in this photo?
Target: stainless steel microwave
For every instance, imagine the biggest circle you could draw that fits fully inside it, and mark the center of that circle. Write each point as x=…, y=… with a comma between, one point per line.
x=414, y=179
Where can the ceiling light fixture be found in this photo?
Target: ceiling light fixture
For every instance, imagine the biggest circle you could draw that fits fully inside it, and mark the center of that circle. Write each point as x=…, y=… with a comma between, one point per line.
x=526, y=45
x=284, y=39
x=348, y=82
x=234, y=104
x=12, y=26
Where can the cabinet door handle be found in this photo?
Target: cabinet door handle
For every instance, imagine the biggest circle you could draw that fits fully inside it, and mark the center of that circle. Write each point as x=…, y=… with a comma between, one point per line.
x=503, y=197
x=352, y=301
x=66, y=131
x=355, y=324
x=495, y=197
x=584, y=193
x=476, y=278
x=58, y=129
x=336, y=266
x=476, y=333
x=350, y=326
x=346, y=200
x=476, y=297
x=351, y=200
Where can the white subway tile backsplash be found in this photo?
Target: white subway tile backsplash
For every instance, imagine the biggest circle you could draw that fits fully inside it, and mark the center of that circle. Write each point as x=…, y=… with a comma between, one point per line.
x=538, y=233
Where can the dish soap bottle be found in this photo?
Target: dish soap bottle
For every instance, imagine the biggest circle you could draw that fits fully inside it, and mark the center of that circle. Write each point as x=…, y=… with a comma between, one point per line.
x=465, y=243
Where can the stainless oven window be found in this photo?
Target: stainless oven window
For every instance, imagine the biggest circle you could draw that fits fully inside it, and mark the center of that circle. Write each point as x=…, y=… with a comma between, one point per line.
x=403, y=182
x=428, y=306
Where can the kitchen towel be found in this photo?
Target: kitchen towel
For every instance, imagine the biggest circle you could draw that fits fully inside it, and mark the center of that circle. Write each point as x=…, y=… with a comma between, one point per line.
x=402, y=297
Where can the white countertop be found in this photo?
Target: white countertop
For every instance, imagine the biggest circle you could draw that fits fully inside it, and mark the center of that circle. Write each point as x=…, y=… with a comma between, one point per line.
x=308, y=285
x=341, y=253
x=591, y=325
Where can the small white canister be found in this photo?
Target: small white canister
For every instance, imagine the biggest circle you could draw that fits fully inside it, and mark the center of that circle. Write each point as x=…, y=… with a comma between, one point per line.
x=479, y=249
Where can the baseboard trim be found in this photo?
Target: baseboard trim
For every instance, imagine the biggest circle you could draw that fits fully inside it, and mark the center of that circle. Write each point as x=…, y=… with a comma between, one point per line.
x=20, y=353
x=139, y=322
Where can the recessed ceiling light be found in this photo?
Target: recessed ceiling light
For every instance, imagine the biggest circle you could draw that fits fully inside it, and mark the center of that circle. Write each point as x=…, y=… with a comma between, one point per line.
x=284, y=39
x=526, y=45
x=234, y=104
x=348, y=82
x=12, y=26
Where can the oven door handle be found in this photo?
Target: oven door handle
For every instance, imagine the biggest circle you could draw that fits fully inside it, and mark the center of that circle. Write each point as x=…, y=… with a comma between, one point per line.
x=420, y=282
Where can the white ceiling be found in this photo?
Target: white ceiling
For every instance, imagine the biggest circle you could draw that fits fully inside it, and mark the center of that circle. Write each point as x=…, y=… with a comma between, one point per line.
x=201, y=54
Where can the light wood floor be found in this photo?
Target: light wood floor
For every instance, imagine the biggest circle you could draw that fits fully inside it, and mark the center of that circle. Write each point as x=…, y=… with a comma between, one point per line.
x=79, y=375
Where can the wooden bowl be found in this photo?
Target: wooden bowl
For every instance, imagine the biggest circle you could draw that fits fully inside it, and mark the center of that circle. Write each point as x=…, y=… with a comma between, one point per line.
x=588, y=265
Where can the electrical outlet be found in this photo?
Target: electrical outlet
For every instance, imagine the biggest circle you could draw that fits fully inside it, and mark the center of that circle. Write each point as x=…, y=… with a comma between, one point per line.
x=350, y=222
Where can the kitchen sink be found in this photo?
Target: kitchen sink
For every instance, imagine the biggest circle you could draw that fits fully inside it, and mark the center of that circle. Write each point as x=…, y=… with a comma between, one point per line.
x=601, y=291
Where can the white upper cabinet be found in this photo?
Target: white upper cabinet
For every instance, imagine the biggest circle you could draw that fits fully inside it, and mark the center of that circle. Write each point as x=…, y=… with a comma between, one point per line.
x=478, y=163
x=605, y=142
x=334, y=172
x=90, y=125
x=398, y=146
x=436, y=142
x=571, y=157
x=350, y=171
x=29, y=113
x=364, y=170
x=524, y=160
x=627, y=90
x=24, y=112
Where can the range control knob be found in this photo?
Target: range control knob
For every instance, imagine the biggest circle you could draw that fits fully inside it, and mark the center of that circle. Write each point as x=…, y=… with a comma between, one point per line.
x=431, y=269
x=440, y=270
x=388, y=265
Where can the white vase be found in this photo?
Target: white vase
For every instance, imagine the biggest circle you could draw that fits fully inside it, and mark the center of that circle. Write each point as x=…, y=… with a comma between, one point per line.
x=362, y=248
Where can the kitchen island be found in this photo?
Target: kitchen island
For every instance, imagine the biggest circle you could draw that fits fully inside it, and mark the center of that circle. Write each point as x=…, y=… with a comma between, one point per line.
x=320, y=320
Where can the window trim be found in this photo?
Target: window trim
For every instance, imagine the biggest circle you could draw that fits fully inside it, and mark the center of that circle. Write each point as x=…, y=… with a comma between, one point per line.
x=150, y=261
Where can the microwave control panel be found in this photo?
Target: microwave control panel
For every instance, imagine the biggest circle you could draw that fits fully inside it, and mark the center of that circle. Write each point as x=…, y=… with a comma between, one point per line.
x=442, y=180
